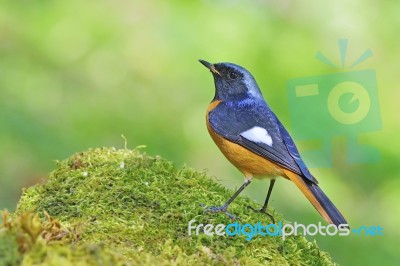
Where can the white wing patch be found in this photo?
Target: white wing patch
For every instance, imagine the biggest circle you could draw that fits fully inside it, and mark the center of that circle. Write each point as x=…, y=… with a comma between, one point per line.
x=258, y=134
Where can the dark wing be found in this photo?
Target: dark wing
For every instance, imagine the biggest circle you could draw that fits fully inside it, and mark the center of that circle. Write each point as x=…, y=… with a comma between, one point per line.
x=294, y=153
x=231, y=121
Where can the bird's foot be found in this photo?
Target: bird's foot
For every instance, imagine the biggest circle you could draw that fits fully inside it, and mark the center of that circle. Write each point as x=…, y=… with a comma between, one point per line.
x=262, y=210
x=223, y=209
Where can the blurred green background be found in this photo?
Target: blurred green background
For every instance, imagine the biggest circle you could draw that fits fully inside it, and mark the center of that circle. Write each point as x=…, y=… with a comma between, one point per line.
x=78, y=74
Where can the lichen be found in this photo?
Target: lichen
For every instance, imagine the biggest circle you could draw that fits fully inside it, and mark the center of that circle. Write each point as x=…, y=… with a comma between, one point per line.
x=123, y=207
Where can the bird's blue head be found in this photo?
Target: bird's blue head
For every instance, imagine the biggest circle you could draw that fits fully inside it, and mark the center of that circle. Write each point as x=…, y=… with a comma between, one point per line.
x=233, y=82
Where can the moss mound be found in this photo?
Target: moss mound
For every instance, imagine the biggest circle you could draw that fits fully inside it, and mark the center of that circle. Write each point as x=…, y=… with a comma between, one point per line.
x=122, y=207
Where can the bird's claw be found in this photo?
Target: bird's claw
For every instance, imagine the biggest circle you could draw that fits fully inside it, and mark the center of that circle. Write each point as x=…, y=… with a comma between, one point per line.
x=262, y=210
x=223, y=209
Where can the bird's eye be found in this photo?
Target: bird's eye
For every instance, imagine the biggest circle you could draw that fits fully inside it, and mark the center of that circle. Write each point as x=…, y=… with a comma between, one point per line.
x=233, y=75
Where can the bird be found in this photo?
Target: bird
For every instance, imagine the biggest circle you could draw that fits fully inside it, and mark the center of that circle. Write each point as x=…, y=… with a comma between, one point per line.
x=252, y=138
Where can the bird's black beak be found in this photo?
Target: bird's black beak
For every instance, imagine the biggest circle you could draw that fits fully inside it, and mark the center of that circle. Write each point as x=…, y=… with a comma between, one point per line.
x=210, y=66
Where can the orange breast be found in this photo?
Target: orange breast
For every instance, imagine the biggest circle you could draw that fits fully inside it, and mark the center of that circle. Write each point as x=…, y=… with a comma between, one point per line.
x=249, y=163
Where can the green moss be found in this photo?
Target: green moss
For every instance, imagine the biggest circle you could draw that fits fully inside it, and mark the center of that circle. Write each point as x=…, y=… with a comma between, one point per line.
x=9, y=254
x=122, y=207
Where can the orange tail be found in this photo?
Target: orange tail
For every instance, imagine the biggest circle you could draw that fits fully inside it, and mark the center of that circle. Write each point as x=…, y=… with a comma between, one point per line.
x=317, y=198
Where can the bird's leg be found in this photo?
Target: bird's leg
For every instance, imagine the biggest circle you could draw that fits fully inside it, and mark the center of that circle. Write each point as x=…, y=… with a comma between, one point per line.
x=224, y=207
x=271, y=186
x=264, y=207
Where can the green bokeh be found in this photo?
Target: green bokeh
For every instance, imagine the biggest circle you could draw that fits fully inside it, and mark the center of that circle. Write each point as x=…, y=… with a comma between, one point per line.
x=78, y=74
